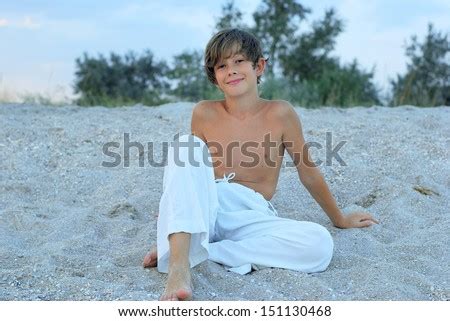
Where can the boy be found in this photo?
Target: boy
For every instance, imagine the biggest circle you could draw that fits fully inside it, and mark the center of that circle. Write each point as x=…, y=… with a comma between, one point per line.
x=204, y=216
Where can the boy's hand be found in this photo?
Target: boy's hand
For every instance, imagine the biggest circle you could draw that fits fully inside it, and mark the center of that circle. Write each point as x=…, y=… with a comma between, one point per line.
x=356, y=219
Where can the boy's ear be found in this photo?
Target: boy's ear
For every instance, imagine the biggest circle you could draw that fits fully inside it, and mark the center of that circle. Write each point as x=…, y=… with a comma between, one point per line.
x=261, y=66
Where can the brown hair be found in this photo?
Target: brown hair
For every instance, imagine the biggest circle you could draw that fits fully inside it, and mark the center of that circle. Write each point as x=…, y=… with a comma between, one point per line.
x=228, y=42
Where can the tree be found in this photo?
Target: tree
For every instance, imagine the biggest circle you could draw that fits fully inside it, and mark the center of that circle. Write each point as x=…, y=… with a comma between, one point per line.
x=309, y=54
x=427, y=79
x=307, y=63
x=192, y=83
x=231, y=18
x=346, y=85
x=118, y=81
x=275, y=26
x=336, y=85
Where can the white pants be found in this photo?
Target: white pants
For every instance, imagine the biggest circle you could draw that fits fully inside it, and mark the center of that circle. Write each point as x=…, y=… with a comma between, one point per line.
x=230, y=223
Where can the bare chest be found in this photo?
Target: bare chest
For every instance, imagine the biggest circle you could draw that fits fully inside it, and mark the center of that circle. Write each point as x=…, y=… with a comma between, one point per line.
x=252, y=149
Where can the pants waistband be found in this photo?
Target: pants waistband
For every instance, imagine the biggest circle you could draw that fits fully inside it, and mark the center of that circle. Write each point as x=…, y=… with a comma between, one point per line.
x=226, y=179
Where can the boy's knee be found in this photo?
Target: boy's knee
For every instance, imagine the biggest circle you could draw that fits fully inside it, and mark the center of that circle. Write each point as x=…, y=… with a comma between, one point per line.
x=319, y=249
x=327, y=242
x=323, y=247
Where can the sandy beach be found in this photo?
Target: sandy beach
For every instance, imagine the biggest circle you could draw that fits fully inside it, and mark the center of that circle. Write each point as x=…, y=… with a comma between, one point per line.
x=72, y=229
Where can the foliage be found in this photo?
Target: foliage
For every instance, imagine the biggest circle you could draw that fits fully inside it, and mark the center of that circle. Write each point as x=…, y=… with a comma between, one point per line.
x=275, y=25
x=304, y=94
x=231, y=18
x=119, y=81
x=309, y=53
x=427, y=79
x=337, y=86
x=192, y=85
x=346, y=85
x=309, y=76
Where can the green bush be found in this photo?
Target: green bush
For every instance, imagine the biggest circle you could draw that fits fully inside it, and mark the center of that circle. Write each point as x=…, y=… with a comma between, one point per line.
x=121, y=80
x=427, y=79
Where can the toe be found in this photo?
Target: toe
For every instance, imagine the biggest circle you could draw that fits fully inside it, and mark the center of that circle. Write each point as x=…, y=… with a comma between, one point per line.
x=147, y=261
x=150, y=259
x=184, y=294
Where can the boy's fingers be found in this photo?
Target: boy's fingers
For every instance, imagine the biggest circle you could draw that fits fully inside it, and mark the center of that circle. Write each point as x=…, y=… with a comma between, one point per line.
x=369, y=222
x=369, y=217
x=373, y=219
x=366, y=223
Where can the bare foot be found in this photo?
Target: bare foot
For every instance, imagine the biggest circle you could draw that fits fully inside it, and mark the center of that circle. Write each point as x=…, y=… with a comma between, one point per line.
x=179, y=285
x=151, y=258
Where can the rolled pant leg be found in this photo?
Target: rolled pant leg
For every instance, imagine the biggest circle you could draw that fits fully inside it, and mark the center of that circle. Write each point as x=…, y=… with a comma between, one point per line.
x=189, y=201
x=259, y=240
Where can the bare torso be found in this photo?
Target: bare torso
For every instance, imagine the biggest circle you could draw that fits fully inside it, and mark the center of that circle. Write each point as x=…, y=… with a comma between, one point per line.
x=238, y=146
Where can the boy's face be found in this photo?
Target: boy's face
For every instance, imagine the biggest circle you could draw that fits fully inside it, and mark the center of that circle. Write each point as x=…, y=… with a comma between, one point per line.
x=237, y=67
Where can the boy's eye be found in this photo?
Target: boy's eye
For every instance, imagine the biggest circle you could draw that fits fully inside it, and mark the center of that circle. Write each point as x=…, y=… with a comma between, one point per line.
x=238, y=61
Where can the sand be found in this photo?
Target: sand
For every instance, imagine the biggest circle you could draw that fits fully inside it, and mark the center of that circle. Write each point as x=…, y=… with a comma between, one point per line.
x=71, y=229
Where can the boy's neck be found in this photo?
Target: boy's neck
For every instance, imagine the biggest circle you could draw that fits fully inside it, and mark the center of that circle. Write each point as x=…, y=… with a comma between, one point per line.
x=242, y=106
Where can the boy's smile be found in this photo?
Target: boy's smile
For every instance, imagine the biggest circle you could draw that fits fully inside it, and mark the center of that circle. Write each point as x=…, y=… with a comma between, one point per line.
x=235, y=82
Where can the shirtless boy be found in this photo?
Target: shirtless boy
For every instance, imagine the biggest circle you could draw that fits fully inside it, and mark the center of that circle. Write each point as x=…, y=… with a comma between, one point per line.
x=234, y=63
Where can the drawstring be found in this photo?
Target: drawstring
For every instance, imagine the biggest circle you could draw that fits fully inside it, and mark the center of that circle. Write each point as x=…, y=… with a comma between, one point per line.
x=226, y=178
x=230, y=176
x=273, y=208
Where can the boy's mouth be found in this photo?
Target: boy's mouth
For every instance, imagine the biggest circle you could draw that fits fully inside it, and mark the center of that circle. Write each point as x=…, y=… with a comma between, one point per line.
x=234, y=82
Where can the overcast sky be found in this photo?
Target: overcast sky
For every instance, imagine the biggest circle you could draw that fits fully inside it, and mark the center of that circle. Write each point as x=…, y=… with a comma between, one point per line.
x=40, y=40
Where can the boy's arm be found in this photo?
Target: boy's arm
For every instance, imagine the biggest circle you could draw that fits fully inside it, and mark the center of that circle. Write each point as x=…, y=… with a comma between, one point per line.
x=310, y=175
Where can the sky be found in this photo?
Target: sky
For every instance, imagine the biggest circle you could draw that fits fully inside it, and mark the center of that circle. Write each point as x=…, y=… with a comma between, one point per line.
x=40, y=39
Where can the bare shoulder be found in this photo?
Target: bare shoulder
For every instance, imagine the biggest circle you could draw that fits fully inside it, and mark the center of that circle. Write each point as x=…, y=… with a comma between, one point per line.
x=202, y=113
x=282, y=110
x=204, y=109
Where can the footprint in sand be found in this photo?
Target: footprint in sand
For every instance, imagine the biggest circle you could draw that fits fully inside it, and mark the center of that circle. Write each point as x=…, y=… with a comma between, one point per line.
x=123, y=209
